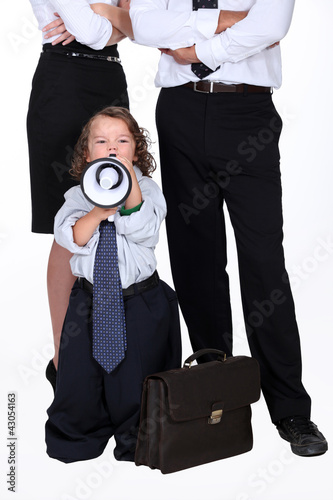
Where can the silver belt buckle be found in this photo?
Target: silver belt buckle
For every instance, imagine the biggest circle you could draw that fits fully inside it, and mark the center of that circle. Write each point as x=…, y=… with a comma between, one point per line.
x=210, y=91
x=113, y=59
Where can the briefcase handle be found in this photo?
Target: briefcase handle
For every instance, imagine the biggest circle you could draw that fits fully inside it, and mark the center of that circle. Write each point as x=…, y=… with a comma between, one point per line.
x=221, y=356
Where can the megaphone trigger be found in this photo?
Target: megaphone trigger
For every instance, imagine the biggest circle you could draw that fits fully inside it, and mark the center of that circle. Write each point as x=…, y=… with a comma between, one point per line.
x=106, y=182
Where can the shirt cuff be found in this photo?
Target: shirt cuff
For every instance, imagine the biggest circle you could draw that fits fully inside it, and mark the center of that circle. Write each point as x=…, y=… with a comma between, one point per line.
x=129, y=211
x=206, y=22
x=64, y=236
x=211, y=52
x=104, y=36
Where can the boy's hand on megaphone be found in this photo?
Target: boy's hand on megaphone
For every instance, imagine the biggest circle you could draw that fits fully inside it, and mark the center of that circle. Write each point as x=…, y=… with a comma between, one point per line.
x=102, y=213
x=125, y=161
x=135, y=196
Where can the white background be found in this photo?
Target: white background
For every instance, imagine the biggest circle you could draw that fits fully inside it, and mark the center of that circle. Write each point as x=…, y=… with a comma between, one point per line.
x=270, y=471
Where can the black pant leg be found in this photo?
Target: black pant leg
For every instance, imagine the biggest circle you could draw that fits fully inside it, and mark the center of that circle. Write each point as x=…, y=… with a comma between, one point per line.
x=153, y=345
x=195, y=221
x=254, y=201
x=79, y=425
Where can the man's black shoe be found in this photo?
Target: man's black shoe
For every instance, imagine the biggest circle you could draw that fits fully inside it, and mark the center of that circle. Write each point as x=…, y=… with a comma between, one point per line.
x=51, y=374
x=303, y=436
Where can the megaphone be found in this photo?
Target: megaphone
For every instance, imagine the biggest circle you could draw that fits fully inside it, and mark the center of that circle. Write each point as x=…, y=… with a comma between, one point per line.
x=106, y=182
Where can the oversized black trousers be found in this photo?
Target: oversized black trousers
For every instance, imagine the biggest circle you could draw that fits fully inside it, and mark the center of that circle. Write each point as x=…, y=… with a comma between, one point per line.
x=90, y=406
x=216, y=149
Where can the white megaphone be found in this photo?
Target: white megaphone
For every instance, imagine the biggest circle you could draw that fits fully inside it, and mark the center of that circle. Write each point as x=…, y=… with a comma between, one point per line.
x=106, y=182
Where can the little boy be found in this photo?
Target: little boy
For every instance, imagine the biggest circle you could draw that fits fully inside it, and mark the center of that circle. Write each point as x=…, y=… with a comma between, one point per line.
x=90, y=404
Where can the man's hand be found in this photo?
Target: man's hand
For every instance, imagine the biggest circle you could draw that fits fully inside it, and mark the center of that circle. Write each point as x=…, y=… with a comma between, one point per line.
x=58, y=27
x=182, y=56
x=228, y=18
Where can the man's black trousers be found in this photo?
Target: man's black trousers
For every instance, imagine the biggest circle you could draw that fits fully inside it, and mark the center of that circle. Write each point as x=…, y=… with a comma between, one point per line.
x=216, y=149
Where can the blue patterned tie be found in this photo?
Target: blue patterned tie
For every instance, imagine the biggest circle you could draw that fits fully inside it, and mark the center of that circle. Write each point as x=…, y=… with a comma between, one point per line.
x=109, y=327
x=200, y=69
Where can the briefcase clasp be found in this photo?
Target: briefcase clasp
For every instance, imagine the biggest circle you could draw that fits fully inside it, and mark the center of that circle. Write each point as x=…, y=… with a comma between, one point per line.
x=215, y=417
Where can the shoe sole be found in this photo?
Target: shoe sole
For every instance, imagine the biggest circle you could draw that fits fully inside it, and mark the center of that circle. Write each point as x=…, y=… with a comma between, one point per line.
x=313, y=450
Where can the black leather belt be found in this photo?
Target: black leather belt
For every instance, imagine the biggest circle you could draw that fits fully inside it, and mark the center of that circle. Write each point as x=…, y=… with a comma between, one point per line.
x=134, y=289
x=99, y=57
x=212, y=87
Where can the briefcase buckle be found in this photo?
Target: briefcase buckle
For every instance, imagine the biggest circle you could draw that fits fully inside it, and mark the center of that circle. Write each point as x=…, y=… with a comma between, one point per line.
x=215, y=417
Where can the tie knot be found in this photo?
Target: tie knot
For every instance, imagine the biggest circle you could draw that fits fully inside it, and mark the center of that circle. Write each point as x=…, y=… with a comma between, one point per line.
x=106, y=227
x=105, y=222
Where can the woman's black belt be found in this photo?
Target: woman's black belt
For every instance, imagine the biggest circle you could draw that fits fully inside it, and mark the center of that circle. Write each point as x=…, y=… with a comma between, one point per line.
x=70, y=53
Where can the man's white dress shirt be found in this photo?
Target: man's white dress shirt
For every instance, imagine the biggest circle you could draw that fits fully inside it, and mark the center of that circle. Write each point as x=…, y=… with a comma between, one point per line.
x=241, y=51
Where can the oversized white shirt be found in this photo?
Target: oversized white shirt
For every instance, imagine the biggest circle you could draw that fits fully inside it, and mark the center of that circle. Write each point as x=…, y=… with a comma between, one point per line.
x=241, y=51
x=137, y=234
x=88, y=28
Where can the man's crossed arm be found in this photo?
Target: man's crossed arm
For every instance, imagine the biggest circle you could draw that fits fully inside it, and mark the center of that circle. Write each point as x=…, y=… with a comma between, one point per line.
x=208, y=35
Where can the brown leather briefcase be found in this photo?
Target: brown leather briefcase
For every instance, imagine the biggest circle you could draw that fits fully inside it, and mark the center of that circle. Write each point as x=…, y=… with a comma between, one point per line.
x=197, y=414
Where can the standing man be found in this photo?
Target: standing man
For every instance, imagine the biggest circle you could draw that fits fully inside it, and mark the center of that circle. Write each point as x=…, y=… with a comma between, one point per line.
x=218, y=134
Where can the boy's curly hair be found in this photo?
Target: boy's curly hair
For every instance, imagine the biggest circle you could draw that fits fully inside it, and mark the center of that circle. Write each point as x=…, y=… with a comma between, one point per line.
x=145, y=162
